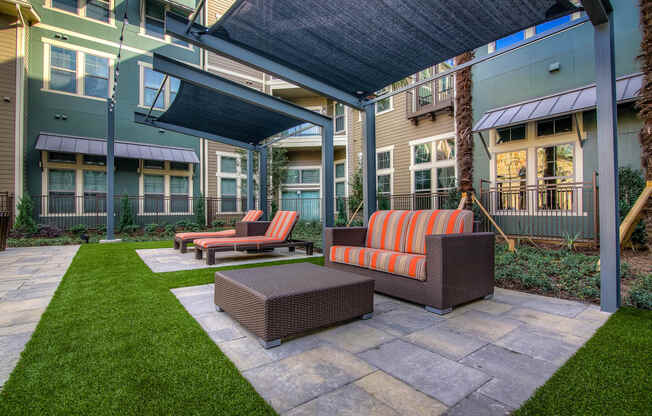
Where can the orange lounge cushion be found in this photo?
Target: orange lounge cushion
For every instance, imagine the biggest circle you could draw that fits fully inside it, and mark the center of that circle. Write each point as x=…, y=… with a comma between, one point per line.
x=355, y=256
x=281, y=225
x=387, y=230
x=224, y=233
x=252, y=215
x=235, y=241
x=440, y=221
x=394, y=262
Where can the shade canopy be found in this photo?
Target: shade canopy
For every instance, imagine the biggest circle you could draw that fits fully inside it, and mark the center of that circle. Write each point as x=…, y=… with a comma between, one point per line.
x=91, y=146
x=362, y=46
x=628, y=88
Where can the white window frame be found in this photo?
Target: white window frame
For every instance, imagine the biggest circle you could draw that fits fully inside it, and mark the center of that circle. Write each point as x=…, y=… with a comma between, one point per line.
x=343, y=180
x=388, y=171
x=344, y=116
x=81, y=7
x=165, y=93
x=80, y=70
x=239, y=176
x=434, y=163
x=391, y=102
x=167, y=39
x=166, y=172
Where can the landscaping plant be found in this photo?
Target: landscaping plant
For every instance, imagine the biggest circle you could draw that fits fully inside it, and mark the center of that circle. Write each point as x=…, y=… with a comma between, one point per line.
x=126, y=215
x=630, y=186
x=25, y=218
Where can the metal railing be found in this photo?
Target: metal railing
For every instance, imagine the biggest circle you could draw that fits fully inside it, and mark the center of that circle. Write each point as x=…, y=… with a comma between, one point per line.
x=6, y=217
x=430, y=97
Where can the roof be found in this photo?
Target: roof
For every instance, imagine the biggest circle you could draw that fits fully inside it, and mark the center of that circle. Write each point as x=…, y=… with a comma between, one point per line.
x=11, y=7
x=580, y=99
x=90, y=146
x=362, y=46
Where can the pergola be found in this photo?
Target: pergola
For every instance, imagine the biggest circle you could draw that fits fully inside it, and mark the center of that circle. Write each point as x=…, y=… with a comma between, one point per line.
x=347, y=50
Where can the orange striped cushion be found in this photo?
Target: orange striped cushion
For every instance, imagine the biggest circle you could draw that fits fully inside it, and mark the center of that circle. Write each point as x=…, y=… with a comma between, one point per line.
x=443, y=221
x=252, y=215
x=281, y=225
x=402, y=264
x=236, y=241
x=387, y=230
x=224, y=233
x=356, y=256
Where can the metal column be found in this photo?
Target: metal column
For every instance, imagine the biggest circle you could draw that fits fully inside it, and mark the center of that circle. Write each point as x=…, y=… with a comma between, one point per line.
x=250, y=180
x=110, y=163
x=262, y=163
x=327, y=160
x=369, y=161
x=605, y=81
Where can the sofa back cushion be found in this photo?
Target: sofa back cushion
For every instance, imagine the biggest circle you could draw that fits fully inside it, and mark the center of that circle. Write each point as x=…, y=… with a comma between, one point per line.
x=281, y=225
x=387, y=230
x=440, y=221
x=252, y=215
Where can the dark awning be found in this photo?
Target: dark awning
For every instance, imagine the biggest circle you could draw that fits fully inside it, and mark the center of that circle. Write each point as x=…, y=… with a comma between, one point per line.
x=91, y=146
x=567, y=102
x=362, y=46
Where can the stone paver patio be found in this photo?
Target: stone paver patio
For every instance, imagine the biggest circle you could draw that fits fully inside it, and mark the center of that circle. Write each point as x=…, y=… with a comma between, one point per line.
x=170, y=260
x=28, y=279
x=485, y=358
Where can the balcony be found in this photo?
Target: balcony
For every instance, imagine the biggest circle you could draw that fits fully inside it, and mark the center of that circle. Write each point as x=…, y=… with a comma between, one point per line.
x=428, y=99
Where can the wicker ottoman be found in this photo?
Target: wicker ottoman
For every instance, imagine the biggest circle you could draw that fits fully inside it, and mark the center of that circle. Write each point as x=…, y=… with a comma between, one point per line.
x=279, y=301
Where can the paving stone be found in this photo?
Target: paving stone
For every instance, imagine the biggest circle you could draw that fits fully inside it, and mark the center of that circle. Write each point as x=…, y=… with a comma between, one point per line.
x=226, y=334
x=593, y=314
x=18, y=329
x=349, y=400
x=539, y=344
x=12, y=345
x=400, y=396
x=446, y=342
x=511, y=297
x=404, y=321
x=33, y=259
x=24, y=294
x=555, y=306
x=198, y=304
x=11, y=285
x=246, y=353
x=21, y=317
x=297, y=379
x=355, y=336
x=9, y=306
x=513, y=393
x=194, y=290
x=479, y=405
x=430, y=373
x=482, y=325
x=555, y=323
x=7, y=365
x=490, y=307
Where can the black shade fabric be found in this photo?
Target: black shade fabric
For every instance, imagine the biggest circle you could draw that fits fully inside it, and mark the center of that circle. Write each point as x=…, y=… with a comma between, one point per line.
x=361, y=46
x=208, y=111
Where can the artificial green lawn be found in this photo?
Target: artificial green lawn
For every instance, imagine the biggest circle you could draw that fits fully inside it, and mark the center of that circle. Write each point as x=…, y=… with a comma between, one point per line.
x=610, y=375
x=115, y=340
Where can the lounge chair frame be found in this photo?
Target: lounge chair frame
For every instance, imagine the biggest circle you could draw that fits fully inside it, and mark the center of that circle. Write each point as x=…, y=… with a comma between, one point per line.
x=242, y=229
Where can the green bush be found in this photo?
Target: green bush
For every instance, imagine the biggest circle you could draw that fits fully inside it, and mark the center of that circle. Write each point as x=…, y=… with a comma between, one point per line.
x=127, y=219
x=218, y=224
x=640, y=295
x=180, y=224
x=79, y=229
x=131, y=229
x=169, y=229
x=151, y=228
x=25, y=218
x=630, y=186
x=200, y=212
x=101, y=228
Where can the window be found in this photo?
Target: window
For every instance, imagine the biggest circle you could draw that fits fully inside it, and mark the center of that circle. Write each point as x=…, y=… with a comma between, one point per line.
x=446, y=177
x=340, y=185
x=340, y=125
x=154, y=164
x=340, y=189
x=543, y=27
x=422, y=189
x=510, y=40
x=77, y=72
x=153, y=23
x=383, y=160
x=422, y=153
x=154, y=192
x=99, y=10
x=384, y=174
x=151, y=82
x=231, y=182
x=554, y=126
x=179, y=186
x=511, y=179
x=510, y=134
x=179, y=166
x=555, y=167
x=384, y=184
x=95, y=160
x=61, y=191
x=445, y=149
x=433, y=167
x=292, y=176
x=340, y=171
x=94, y=191
x=385, y=104
x=62, y=157
x=66, y=5
x=229, y=194
x=310, y=176
x=228, y=164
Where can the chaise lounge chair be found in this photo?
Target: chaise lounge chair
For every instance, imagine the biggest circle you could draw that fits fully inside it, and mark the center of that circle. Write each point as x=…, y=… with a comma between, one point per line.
x=277, y=235
x=181, y=240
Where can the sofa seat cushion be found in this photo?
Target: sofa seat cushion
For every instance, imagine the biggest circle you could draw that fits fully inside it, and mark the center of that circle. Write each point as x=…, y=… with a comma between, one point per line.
x=355, y=256
x=387, y=230
x=439, y=221
x=402, y=264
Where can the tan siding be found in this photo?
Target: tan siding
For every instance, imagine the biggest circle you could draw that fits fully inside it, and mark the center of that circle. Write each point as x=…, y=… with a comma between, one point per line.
x=304, y=158
x=8, y=34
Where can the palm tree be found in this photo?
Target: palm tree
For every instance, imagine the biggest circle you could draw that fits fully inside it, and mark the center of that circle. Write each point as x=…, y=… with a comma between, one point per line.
x=644, y=103
x=464, y=121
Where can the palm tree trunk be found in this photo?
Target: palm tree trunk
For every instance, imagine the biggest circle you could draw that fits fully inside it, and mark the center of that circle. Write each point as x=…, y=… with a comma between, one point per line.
x=644, y=103
x=464, y=123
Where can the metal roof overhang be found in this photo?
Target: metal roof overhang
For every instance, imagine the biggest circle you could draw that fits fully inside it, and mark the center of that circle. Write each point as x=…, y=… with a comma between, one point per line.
x=567, y=102
x=359, y=47
x=53, y=142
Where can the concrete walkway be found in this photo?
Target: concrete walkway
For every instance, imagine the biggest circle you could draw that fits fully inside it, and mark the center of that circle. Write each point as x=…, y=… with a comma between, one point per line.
x=485, y=358
x=28, y=279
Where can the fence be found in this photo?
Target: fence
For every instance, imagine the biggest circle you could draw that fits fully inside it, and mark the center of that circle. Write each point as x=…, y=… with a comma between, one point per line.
x=6, y=217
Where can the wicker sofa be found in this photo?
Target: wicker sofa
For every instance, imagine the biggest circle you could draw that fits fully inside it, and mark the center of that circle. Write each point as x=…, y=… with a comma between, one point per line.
x=427, y=257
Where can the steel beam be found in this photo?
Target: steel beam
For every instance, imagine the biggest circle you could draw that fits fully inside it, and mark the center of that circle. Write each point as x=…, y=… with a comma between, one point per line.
x=605, y=82
x=250, y=180
x=328, y=184
x=141, y=118
x=110, y=169
x=369, y=161
x=262, y=167
x=203, y=79
x=597, y=10
x=198, y=35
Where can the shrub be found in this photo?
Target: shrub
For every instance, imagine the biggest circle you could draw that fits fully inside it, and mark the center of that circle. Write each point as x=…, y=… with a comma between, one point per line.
x=127, y=219
x=130, y=229
x=169, y=229
x=49, y=231
x=151, y=228
x=193, y=226
x=101, y=229
x=180, y=225
x=25, y=218
x=200, y=212
x=630, y=186
x=218, y=224
x=640, y=295
x=78, y=229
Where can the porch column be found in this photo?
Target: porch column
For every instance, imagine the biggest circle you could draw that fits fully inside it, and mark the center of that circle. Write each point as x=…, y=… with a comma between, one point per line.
x=328, y=183
x=605, y=81
x=262, y=162
x=110, y=162
x=369, y=186
x=250, y=179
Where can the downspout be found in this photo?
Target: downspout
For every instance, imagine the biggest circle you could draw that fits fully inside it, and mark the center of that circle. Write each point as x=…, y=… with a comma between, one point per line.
x=19, y=108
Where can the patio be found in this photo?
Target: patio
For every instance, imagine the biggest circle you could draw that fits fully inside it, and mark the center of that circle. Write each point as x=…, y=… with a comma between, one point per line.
x=488, y=356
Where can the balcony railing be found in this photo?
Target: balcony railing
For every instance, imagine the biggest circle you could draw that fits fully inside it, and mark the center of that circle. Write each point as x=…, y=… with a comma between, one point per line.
x=429, y=98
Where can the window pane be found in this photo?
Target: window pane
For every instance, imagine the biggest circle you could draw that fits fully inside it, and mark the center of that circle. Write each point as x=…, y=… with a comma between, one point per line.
x=422, y=153
x=61, y=157
x=422, y=179
x=339, y=189
x=67, y=5
x=383, y=160
x=94, y=181
x=511, y=179
x=63, y=81
x=383, y=182
x=445, y=149
x=518, y=132
x=339, y=170
x=174, y=88
x=98, y=10
x=95, y=160
x=545, y=127
x=179, y=185
x=555, y=161
x=63, y=58
x=509, y=134
x=563, y=124
x=228, y=187
x=292, y=176
x=339, y=123
x=154, y=164
x=510, y=40
x=446, y=177
x=153, y=79
x=180, y=42
x=179, y=166
x=228, y=165
x=96, y=87
x=149, y=98
x=97, y=66
x=154, y=9
x=310, y=176
x=383, y=105
x=61, y=180
x=154, y=184
x=339, y=109
x=152, y=82
x=552, y=24
x=154, y=28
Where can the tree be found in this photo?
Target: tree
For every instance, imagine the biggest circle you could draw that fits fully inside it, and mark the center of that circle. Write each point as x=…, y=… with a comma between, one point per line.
x=25, y=219
x=644, y=103
x=200, y=212
x=464, y=120
x=126, y=215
